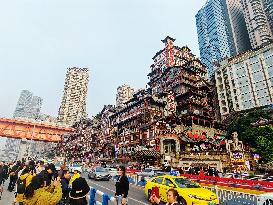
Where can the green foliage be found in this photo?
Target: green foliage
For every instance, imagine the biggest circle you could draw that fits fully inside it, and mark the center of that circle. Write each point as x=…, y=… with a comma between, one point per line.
x=259, y=138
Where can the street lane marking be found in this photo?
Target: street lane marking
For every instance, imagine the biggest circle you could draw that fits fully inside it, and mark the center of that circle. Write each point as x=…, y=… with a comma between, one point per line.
x=114, y=192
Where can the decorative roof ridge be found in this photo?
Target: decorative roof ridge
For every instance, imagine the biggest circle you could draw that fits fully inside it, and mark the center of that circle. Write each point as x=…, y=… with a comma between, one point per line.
x=168, y=37
x=157, y=53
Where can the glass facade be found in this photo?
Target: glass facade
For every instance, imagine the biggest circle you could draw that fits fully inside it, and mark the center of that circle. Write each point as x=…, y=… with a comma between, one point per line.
x=214, y=33
x=222, y=31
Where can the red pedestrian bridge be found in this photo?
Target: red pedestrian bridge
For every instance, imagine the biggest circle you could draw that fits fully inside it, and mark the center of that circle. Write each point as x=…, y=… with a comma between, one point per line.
x=32, y=130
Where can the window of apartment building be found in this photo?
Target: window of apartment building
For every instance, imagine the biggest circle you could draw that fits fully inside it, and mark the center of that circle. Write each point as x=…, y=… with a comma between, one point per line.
x=262, y=93
x=258, y=76
x=253, y=59
x=241, y=72
x=264, y=101
x=268, y=57
x=243, y=81
x=246, y=96
x=224, y=109
x=270, y=70
x=256, y=67
x=233, y=83
x=247, y=104
x=260, y=85
x=245, y=89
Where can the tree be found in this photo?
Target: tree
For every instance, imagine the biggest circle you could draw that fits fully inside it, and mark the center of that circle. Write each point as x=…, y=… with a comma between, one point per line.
x=265, y=143
x=259, y=138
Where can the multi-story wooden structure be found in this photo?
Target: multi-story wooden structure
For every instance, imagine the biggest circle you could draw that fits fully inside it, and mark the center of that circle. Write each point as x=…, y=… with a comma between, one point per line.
x=173, y=114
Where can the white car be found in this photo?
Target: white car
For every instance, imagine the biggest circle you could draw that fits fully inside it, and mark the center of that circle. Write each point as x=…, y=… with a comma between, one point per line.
x=74, y=167
x=112, y=171
x=99, y=173
x=149, y=172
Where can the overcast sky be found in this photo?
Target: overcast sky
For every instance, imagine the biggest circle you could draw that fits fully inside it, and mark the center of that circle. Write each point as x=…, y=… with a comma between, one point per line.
x=115, y=39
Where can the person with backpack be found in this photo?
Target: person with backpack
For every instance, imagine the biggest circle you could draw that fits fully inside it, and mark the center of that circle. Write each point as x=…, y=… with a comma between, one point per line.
x=79, y=189
x=14, y=175
x=22, y=183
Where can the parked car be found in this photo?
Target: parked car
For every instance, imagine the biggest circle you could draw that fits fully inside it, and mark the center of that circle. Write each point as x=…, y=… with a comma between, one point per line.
x=112, y=171
x=74, y=167
x=58, y=166
x=191, y=192
x=99, y=173
x=149, y=172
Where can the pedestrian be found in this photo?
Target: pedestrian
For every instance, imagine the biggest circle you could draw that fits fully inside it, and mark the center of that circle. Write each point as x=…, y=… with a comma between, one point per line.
x=60, y=172
x=79, y=189
x=2, y=177
x=14, y=175
x=65, y=187
x=122, y=185
x=6, y=171
x=37, y=194
x=76, y=175
x=22, y=183
x=40, y=167
x=173, y=198
x=48, y=174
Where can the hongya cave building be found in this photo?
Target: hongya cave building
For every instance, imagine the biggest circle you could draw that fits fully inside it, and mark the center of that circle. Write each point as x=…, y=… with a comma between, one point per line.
x=173, y=120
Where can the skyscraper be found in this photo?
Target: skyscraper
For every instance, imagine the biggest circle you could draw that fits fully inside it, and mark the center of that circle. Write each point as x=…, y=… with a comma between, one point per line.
x=221, y=31
x=257, y=22
x=28, y=106
x=73, y=106
x=124, y=93
x=268, y=7
x=238, y=26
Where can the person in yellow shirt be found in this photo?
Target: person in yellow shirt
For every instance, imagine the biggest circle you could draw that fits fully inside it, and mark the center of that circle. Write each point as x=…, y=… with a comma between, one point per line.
x=22, y=183
x=76, y=175
x=37, y=194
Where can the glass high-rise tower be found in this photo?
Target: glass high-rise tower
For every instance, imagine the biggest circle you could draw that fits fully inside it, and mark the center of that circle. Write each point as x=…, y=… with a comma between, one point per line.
x=28, y=106
x=221, y=31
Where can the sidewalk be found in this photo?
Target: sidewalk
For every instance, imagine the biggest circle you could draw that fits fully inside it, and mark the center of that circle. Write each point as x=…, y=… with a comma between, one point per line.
x=7, y=197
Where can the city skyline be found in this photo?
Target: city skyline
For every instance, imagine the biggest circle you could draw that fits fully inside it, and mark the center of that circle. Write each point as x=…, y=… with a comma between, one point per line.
x=114, y=40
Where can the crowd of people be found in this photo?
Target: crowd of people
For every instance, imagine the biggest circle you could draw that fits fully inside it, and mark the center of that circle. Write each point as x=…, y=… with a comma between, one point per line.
x=40, y=184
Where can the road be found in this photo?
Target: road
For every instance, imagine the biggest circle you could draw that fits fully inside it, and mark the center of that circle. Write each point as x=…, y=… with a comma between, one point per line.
x=136, y=194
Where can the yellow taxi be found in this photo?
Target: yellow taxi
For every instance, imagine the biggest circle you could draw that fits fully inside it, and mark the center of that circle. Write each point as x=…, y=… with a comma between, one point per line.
x=191, y=192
